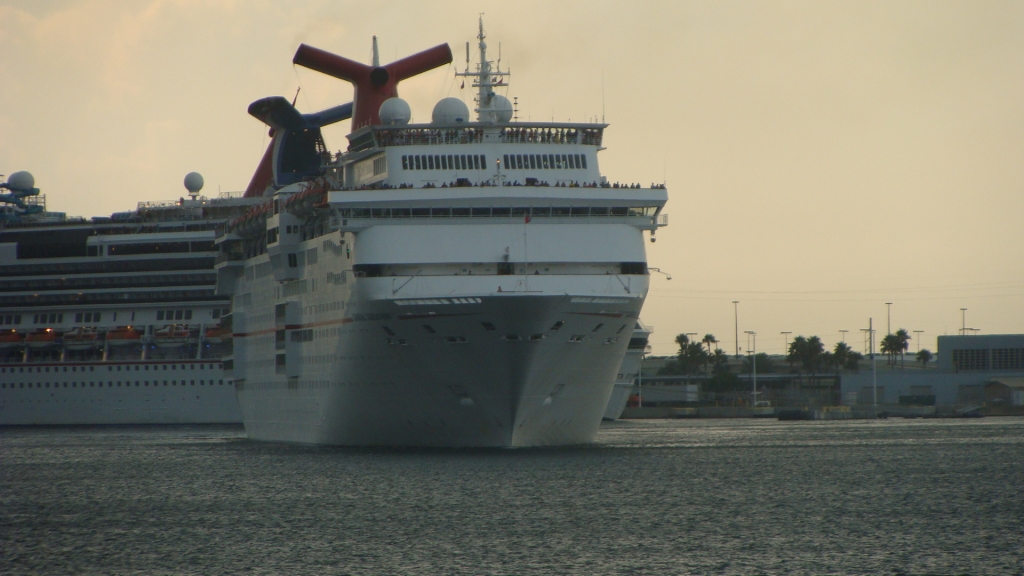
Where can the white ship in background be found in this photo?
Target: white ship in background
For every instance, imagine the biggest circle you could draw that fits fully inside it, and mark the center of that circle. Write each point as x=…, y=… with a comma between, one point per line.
x=625, y=381
x=112, y=320
x=457, y=283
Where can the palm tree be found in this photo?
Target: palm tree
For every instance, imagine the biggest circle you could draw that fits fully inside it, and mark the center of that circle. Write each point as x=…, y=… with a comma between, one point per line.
x=719, y=361
x=924, y=356
x=891, y=346
x=709, y=339
x=903, y=339
x=808, y=352
x=841, y=354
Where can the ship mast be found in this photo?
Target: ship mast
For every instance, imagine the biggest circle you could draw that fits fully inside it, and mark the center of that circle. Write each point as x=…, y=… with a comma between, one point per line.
x=485, y=78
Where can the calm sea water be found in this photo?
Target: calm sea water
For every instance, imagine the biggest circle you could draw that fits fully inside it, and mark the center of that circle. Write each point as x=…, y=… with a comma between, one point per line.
x=650, y=497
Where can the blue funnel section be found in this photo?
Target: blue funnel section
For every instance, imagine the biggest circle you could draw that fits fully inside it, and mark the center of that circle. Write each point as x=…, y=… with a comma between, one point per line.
x=299, y=149
x=329, y=116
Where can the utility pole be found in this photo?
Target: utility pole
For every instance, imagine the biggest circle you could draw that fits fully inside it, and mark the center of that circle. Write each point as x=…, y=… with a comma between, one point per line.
x=785, y=340
x=874, y=370
x=963, y=321
x=918, y=332
x=888, y=318
x=736, y=320
x=843, y=332
x=753, y=361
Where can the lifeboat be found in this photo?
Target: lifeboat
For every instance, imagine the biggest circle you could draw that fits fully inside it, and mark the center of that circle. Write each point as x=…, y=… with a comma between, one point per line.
x=41, y=338
x=216, y=334
x=172, y=336
x=82, y=338
x=123, y=336
x=10, y=339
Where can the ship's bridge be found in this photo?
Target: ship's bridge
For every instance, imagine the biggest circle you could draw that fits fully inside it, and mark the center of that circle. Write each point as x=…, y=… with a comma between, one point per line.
x=465, y=154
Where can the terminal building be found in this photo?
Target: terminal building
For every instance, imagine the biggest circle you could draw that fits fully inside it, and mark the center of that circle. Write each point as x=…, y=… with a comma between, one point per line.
x=970, y=371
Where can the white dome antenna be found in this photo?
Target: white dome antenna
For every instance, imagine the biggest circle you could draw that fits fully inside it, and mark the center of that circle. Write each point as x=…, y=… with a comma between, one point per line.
x=21, y=181
x=193, y=183
x=394, y=111
x=450, y=111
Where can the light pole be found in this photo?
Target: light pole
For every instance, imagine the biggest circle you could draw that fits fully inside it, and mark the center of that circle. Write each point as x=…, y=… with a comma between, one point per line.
x=888, y=318
x=963, y=321
x=843, y=332
x=753, y=364
x=874, y=370
x=918, y=332
x=736, y=320
x=785, y=342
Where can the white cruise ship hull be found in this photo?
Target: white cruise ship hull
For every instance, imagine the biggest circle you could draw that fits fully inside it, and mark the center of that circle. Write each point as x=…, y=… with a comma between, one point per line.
x=164, y=392
x=618, y=400
x=522, y=384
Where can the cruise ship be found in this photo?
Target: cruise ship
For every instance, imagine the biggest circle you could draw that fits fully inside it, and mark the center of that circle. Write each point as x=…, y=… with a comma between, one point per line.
x=463, y=282
x=625, y=381
x=113, y=320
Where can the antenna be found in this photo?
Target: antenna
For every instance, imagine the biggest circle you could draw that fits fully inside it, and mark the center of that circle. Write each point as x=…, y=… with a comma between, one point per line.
x=467, y=56
x=296, y=98
x=376, y=56
x=602, y=95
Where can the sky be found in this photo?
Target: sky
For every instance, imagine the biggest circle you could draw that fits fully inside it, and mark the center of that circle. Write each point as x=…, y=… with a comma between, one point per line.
x=821, y=158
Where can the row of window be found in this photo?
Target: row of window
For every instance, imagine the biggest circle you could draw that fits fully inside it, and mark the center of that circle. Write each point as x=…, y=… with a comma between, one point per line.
x=110, y=384
x=10, y=319
x=47, y=318
x=517, y=212
x=156, y=368
x=444, y=162
x=173, y=314
x=545, y=161
x=1000, y=359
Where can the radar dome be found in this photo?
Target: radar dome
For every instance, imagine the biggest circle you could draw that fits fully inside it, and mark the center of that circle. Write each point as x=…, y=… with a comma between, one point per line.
x=395, y=111
x=21, y=181
x=193, y=182
x=502, y=108
x=450, y=111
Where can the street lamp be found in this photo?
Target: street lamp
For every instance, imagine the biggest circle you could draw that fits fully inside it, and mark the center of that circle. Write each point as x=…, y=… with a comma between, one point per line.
x=963, y=321
x=888, y=317
x=753, y=363
x=736, y=319
x=918, y=332
x=843, y=332
x=785, y=340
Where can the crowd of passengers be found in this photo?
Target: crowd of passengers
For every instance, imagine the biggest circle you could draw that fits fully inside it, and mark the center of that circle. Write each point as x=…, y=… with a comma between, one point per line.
x=413, y=136
x=467, y=183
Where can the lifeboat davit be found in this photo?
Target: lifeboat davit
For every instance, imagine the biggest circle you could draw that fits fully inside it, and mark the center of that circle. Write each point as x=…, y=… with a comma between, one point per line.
x=123, y=336
x=10, y=339
x=82, y=338
x=41, y=338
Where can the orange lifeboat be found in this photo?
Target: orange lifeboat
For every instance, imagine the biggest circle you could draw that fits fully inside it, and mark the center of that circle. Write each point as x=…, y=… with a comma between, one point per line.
x=82, y=338
x=123, y=336
x=10, y=339
x=41, y=338
x=216, y=334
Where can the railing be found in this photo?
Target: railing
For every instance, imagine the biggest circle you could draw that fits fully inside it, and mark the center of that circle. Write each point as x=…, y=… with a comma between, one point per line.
x=511, y=135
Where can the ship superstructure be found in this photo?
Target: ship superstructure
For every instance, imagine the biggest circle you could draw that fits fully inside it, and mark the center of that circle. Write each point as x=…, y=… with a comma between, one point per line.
x=114, y=320
x=456, y=283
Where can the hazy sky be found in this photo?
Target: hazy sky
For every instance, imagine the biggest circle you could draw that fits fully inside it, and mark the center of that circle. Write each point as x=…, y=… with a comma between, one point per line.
x=822, y=158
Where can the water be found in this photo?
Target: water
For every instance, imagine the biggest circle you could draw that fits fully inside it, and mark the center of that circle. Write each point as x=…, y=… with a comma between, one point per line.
x=673, y=497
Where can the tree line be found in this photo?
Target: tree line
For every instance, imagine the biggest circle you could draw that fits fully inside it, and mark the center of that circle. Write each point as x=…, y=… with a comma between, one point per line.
x=698, y=357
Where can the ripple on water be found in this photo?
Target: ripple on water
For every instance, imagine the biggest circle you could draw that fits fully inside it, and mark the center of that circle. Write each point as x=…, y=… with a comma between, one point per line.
x=680, y=496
